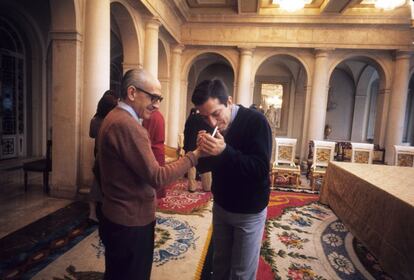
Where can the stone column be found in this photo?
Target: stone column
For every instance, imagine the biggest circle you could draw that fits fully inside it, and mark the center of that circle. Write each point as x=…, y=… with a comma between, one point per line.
x=97, y=61
x=244, y=94
x=381, y=117
x=398, y=101
x=319, y=96
x=175, y=90
x=305, y=140
x=65, y=89
x=151, y=46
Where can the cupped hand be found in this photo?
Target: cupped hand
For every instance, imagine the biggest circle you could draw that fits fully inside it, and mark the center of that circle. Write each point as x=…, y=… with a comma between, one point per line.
x=211, y=145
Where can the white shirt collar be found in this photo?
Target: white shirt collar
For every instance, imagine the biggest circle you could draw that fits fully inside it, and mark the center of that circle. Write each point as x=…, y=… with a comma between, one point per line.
x=131, y=111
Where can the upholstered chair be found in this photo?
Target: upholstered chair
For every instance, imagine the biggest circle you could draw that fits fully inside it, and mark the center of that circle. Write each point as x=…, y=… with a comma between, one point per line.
x=362, y=152
x=323, y=153
x=284, y=164
x=404, y=155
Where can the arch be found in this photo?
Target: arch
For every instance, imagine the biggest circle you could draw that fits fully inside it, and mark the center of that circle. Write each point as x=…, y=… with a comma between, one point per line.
x=212, y=58
x=292, y=73
x=163, y=58
x=361, y=68
x=370, y=59
x=32, y=35
x=340, y=106
x=292, y=55
x=199, y=54
x=128, y=33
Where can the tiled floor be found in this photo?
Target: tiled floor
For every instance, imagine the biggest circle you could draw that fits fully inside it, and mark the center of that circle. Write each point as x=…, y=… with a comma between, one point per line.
x=17, y=208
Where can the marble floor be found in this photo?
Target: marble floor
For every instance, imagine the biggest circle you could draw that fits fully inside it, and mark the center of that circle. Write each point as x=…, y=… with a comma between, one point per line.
x=19, y=208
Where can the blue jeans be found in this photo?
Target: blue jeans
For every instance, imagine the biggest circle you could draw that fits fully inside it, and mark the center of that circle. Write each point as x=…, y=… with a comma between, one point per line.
x=237, y=239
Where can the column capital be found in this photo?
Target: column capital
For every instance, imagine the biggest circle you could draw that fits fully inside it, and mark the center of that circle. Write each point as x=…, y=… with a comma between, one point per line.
x=403, y=54
x=178, y=49
x=323, y=52
x=153, y=23
x=246, y=50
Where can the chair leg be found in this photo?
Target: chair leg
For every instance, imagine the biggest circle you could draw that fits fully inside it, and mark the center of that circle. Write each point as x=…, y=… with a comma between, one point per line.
x=25, y=181
x=311, y=182
x=297, y=181
x=46, y=182
x=272, y=178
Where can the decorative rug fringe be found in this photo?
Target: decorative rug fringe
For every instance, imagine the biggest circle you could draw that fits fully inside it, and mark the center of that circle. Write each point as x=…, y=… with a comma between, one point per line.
x=202, y=260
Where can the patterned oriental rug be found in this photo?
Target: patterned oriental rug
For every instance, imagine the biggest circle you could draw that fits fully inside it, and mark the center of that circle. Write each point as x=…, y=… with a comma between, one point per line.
x=179, y=200
x=63, y=245
x=303, y=239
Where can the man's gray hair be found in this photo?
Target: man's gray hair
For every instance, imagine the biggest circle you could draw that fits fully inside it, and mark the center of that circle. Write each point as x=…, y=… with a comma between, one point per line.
x=135, y=77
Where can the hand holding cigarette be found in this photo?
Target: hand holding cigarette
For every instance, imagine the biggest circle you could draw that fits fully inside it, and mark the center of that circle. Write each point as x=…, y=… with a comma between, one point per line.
x=211, y=144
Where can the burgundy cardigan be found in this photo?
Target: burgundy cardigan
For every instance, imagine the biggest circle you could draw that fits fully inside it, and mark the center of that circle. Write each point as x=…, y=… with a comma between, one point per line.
x=129, y=171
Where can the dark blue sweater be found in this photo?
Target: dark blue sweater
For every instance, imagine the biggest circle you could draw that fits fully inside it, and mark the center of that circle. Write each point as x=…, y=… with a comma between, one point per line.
x=241, y=172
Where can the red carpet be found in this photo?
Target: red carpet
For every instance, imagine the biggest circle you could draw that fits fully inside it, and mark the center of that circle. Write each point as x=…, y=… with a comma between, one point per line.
x=280, y=201
x=180, y=201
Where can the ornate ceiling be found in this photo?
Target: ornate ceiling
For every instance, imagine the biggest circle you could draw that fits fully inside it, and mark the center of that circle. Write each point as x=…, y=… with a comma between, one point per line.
x=193, y=9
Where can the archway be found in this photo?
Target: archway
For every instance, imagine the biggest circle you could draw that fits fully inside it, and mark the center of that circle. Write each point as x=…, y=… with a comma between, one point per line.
x=23, y=97
x=208, y=66
x=125, y=43
x=13, y=58
x=353, y=100
x=279, y=92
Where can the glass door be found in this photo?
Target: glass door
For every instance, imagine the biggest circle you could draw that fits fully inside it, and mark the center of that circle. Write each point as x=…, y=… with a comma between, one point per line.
x=12, y=128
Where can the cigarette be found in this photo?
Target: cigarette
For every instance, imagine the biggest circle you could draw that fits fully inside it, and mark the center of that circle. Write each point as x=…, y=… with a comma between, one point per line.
x=215, y=131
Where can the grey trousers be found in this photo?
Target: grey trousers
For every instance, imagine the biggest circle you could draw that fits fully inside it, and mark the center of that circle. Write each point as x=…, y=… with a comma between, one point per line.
x=237, y=240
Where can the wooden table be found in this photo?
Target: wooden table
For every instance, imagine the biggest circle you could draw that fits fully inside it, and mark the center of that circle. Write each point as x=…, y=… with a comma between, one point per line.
x=376, y=203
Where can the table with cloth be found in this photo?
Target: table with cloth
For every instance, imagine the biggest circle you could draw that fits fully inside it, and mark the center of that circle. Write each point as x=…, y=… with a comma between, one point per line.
x=376, y=203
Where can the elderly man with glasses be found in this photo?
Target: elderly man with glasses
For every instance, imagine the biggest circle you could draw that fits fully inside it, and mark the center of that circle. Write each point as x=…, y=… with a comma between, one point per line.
x=130, y=174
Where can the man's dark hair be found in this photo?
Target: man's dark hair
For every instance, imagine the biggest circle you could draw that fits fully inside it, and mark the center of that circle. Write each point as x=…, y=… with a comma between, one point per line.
x=111, y=92
x=214, y=88
x=106, y=104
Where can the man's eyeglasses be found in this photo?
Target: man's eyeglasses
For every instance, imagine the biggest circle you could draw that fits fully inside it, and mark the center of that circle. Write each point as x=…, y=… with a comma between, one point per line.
x=154, y=97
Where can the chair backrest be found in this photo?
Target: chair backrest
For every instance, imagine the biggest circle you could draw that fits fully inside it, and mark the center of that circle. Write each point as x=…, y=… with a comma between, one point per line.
x=404, y=155
x=285, y=151
x=362, y=152
x=323, y=153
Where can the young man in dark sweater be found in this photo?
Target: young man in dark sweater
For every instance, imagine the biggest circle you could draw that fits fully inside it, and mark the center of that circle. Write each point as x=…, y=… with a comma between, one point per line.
x=240, y=166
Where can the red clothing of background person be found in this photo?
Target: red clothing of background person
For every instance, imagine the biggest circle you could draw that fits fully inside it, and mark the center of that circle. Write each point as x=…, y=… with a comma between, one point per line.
x=156, y=130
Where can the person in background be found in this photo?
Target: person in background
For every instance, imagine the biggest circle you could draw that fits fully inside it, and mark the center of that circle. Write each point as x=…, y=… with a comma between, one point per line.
x=155, y=126
x=129, y=175
x=240, y=164
x=193, y=124
x=108, y=101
